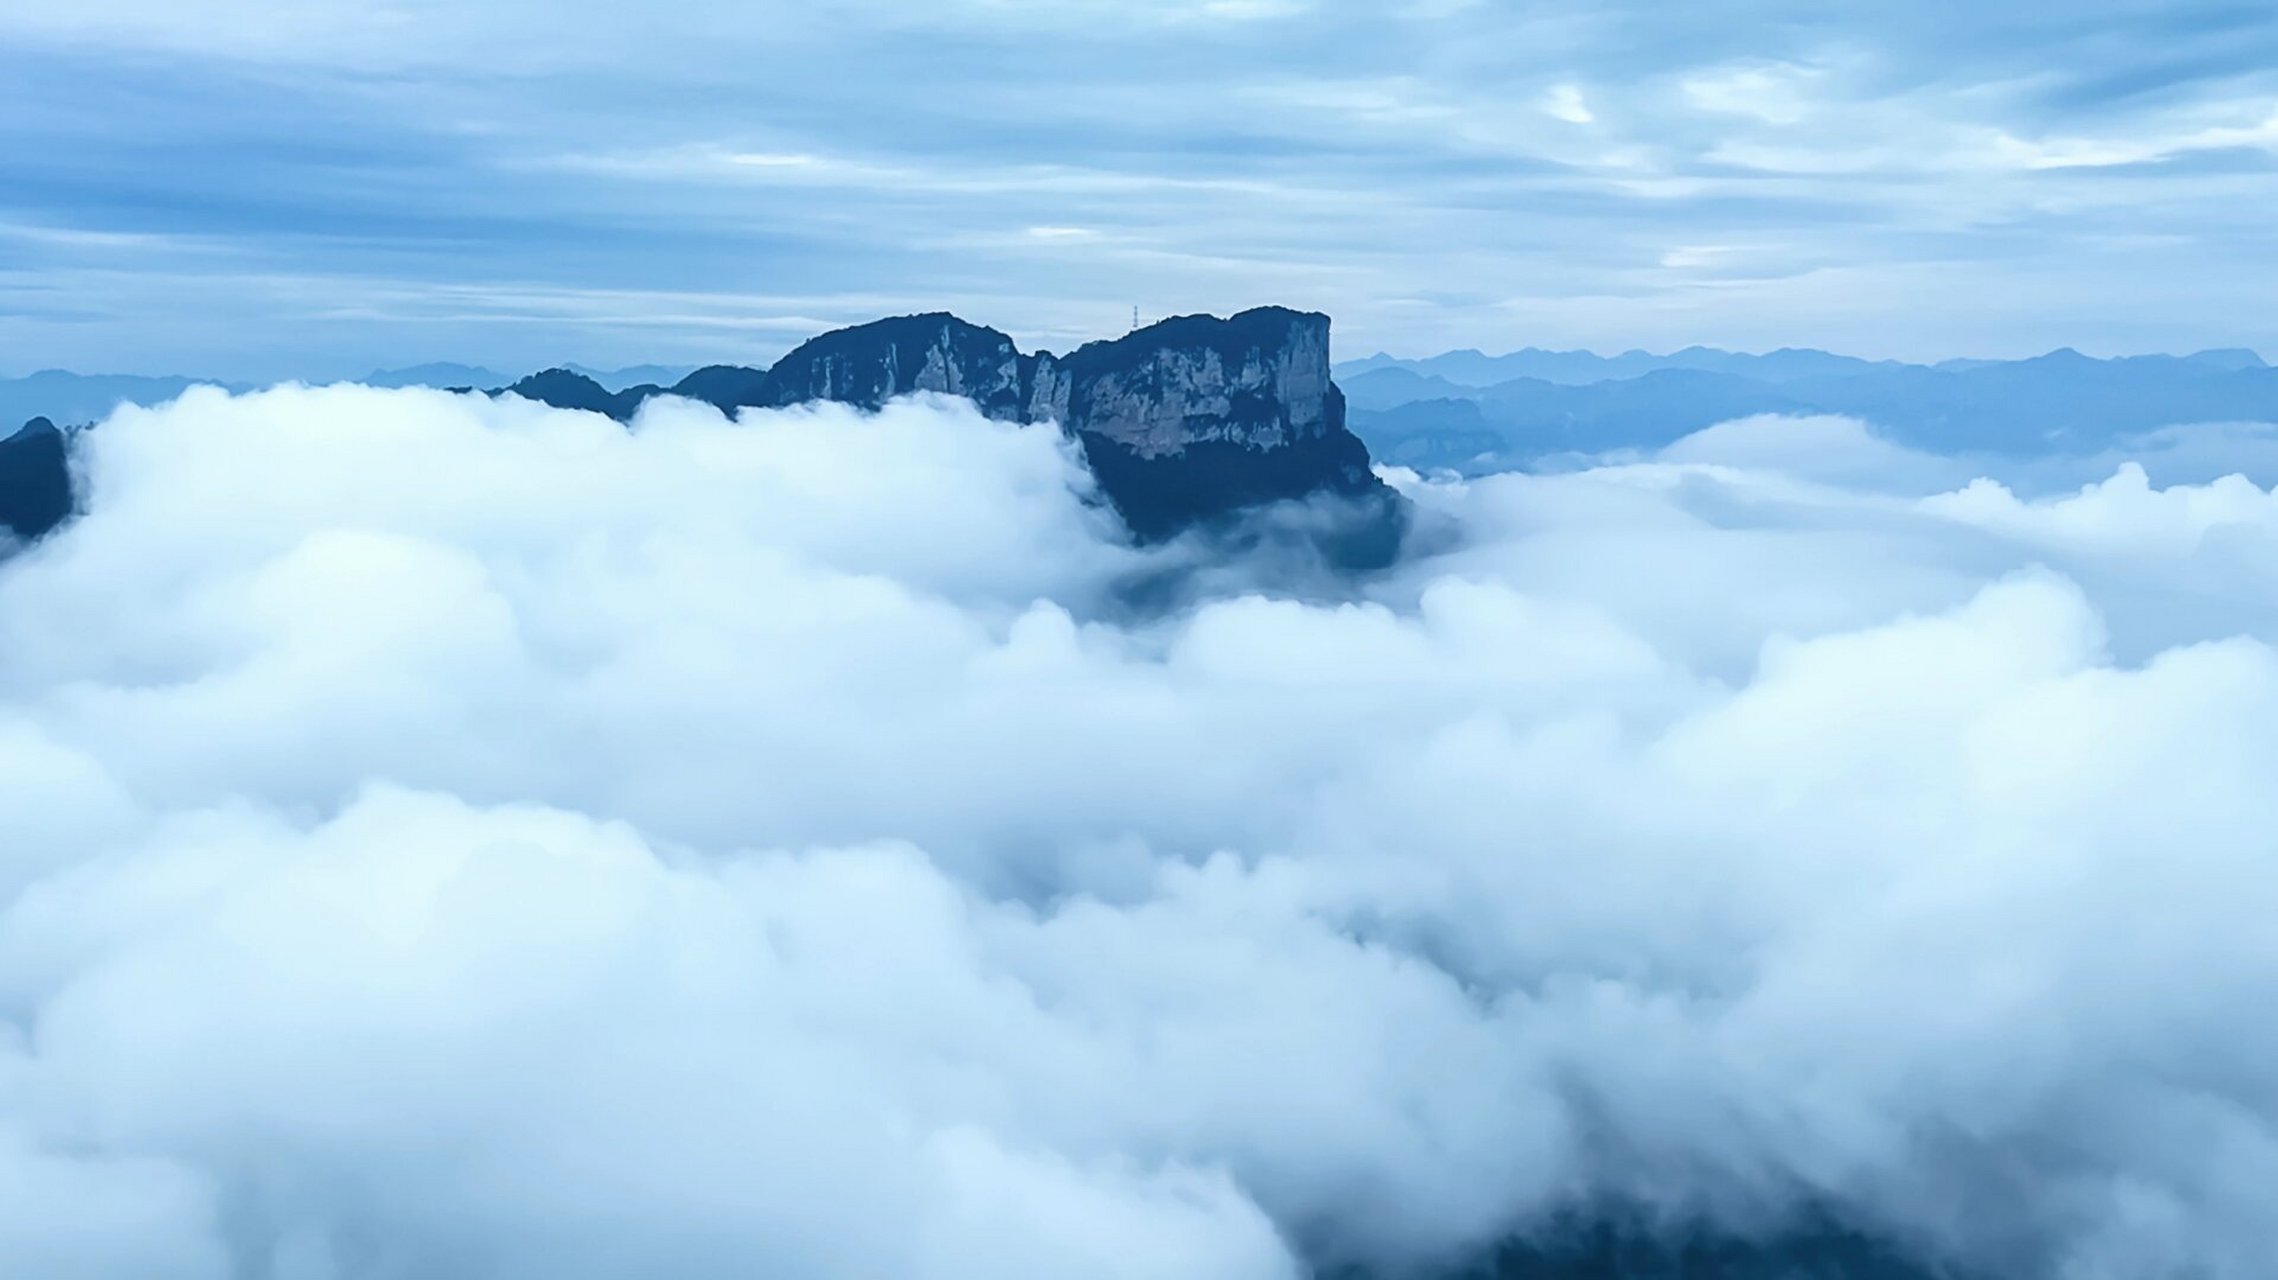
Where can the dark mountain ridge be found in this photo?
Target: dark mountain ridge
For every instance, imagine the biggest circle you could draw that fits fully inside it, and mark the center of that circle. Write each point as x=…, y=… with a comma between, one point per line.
x=1185, y=423
x=563, y=389
x=35, y=480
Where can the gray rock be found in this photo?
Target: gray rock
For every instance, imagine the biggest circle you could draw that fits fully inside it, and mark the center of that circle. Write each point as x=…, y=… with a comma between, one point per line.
x=1184, y=423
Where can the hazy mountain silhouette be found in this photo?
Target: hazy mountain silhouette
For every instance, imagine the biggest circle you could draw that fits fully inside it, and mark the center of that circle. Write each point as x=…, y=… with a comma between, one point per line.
x=2062, y=402
x=445, y=375
x=1463, y=411
x=656, y=375
x=1575, y=368
x=1395, y=385
x=63, y=396
x=441, y=375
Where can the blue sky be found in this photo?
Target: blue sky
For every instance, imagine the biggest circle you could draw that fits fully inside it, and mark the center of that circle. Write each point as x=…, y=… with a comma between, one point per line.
x=259, y=188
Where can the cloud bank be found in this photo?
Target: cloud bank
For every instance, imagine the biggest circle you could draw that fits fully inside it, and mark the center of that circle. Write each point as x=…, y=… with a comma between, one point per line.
x=453, y=837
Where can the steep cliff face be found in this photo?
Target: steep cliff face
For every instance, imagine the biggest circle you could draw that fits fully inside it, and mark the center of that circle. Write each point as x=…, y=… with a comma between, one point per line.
x=1259, y=380
x=1190, y=420
x=35, y=480
x=1184, y=422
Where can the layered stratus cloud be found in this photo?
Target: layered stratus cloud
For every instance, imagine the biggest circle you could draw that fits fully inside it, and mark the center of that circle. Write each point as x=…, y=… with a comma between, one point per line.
x=447, y=837
x=521, y=183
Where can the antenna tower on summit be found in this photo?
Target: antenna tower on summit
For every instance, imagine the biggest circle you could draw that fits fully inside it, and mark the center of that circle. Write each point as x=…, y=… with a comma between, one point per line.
x=1134, y=319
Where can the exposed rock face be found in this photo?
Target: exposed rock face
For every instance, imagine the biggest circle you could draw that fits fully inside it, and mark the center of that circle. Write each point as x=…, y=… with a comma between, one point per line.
x=35, y=480
x=1183, y=422
x=1190, y=420
x=871, y=364
x=1259, y=380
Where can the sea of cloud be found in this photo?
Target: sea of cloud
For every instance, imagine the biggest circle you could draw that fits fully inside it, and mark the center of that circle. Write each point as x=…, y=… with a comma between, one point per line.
x=453, y=838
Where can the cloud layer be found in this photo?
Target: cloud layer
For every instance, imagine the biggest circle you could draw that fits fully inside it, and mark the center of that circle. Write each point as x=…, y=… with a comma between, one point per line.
x=448, y=837
x=521, y=184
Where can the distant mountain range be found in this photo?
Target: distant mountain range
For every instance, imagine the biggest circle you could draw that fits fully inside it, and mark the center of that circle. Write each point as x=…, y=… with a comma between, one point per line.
x=446, y=375
x=1469, y=368
x=1196, y=417
x=1456, y=412
x=82, y=397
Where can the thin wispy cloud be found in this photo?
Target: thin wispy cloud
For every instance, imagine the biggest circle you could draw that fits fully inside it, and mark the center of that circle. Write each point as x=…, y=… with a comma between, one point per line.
x=1499, y=163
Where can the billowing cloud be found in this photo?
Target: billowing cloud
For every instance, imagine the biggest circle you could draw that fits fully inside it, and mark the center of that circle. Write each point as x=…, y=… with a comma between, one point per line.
x=454, y=837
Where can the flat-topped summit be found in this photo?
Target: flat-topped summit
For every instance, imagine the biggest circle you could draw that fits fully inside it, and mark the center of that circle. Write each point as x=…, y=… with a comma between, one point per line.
x=1184, y=423
x=1189, y=420
x=1260, y=380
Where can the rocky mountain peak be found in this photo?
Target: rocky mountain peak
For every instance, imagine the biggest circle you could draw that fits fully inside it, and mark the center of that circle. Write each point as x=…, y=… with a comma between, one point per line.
x=870, y=364
x=1260, y=380
x=35, y=480
x=1184, y=423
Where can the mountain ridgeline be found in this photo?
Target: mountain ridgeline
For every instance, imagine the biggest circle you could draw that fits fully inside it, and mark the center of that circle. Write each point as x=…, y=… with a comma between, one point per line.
x=1476, y=414
x=1187, y=422
x=1184, y=424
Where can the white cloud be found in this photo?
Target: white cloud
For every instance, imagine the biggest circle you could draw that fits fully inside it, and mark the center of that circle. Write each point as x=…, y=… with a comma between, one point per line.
x=1772, y=93
x=1840, y=451
x=1403, y=166
x=432, y=33
x=2125, y=515
x=2252, y=126
x=450, y=837
x=1567, y=103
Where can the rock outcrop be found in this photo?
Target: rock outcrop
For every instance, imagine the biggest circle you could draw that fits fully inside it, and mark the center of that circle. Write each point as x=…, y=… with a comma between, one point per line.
x=35, y=480
x=1260, y=380
x=1184, y=423
x=1193, y=419
x=872, y=363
